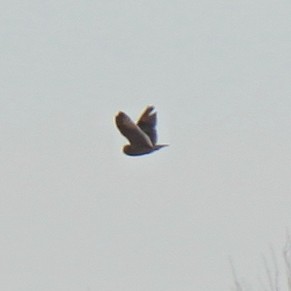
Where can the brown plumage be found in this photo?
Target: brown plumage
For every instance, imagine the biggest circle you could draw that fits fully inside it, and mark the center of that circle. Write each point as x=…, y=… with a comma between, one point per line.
x=141, y=135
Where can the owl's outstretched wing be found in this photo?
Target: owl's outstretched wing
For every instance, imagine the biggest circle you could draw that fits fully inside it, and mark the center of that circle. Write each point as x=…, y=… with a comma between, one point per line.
x=131, y=131
x=147, y=123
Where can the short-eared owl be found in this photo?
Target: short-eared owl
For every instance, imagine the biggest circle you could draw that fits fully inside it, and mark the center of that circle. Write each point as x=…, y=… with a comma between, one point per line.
x=142, y=135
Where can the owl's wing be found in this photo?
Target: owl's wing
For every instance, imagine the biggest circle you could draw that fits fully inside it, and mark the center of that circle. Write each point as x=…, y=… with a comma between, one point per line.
x=131, y=131
x=147, y=123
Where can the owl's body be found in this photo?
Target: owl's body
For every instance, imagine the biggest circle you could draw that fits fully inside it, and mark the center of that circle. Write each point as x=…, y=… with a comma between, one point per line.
x=141, y=135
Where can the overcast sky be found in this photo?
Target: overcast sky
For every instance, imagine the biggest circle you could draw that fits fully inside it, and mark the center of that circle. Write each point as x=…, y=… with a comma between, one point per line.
x=77, y=214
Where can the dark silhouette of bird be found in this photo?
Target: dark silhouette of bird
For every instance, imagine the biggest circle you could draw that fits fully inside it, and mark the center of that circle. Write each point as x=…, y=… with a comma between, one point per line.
x=142, y=135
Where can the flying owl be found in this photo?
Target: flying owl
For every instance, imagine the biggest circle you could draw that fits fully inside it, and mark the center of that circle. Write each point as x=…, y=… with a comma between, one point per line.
x=142, y=135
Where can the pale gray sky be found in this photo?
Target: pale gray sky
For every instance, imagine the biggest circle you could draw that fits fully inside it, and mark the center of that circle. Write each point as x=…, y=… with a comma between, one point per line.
x=76, y=214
